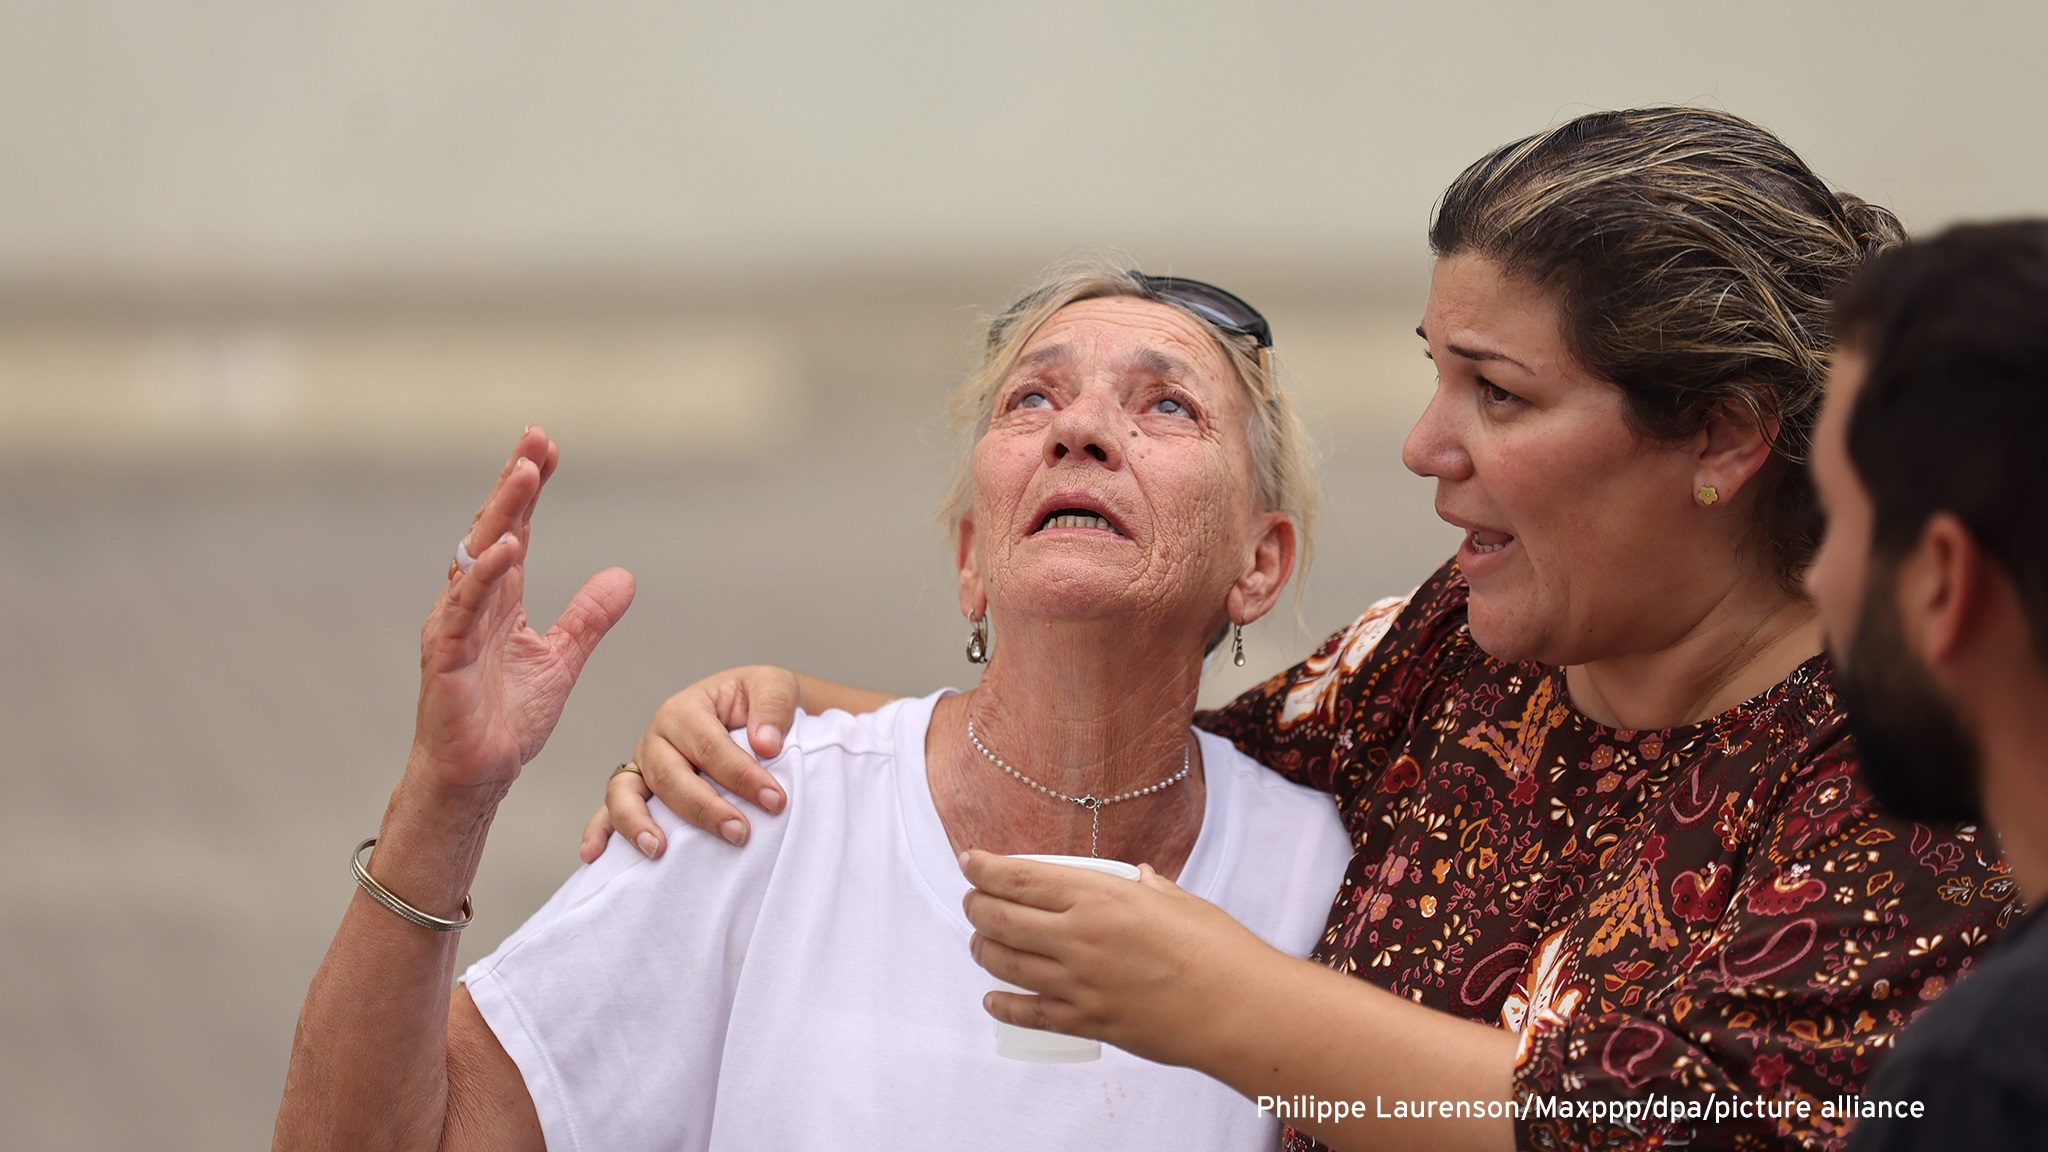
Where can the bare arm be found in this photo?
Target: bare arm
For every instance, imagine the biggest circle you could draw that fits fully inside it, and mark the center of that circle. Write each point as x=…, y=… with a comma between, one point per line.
x=689, y=739
x=383, y=1058
x=384, y=1055
x=1298, y=1028
x=824, y=695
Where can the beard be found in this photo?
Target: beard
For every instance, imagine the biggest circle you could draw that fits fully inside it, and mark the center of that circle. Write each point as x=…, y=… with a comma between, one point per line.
x=1918, y=761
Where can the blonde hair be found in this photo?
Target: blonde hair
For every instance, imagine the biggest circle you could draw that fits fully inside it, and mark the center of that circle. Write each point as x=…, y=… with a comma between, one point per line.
x=1283, y=466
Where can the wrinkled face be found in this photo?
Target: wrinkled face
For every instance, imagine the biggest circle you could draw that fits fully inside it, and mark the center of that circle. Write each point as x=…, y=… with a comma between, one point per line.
x=1582, y=540
x=1918, y=760
x=1115, y=476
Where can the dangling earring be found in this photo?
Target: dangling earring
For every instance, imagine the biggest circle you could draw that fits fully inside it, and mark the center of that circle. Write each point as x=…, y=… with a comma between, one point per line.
x=977, y=642
x=1707, y=495
x=1237, y=643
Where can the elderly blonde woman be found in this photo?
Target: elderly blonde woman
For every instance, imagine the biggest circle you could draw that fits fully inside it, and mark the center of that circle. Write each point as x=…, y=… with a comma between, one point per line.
x=1134, y=491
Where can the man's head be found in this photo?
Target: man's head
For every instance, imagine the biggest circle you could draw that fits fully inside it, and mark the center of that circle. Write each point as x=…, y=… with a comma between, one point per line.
x=1931, y=458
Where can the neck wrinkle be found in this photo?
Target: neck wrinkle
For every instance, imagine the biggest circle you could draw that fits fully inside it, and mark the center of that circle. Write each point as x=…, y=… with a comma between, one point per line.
x=1082, y=708
x=1086, y=707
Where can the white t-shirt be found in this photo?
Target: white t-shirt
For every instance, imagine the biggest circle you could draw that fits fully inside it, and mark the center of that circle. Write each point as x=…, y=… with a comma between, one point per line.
x=813, y=989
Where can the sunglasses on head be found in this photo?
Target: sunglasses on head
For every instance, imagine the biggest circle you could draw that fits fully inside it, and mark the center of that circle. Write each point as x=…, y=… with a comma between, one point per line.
x=1223, y=309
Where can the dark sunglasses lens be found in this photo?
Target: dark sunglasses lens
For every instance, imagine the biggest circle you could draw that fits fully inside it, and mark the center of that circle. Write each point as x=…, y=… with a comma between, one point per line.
x=1213, y=304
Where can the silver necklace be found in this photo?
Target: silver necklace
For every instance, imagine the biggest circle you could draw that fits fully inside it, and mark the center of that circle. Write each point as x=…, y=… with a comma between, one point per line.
x=1093, y=803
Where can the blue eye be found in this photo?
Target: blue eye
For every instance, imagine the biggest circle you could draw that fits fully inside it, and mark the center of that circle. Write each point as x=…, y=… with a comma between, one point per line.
x=1170, y=406
x=1033, y=400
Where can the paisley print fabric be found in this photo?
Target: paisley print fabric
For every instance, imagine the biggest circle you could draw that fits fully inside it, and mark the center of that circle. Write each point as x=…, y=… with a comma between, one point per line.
x=1709, y=909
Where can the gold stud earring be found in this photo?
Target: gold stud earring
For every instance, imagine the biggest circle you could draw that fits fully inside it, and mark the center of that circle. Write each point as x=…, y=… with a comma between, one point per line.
x=1707, y=495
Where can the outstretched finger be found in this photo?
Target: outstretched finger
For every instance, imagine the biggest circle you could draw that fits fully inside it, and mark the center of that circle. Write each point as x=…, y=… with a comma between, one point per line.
x=518, y=454
x=455, y=622
x=597, y=606
x=504, y=508
x=549, y=458
x=552, y=458
x=532, y=445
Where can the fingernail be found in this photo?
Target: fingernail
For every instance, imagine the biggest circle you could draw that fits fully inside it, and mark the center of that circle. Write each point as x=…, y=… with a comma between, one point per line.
x=648, y=844
x=771, y=799
x=963, y=859
x=734, y=832
x=770, y=734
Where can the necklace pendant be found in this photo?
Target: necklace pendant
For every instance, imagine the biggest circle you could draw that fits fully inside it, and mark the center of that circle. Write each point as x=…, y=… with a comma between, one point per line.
x=1091, y=803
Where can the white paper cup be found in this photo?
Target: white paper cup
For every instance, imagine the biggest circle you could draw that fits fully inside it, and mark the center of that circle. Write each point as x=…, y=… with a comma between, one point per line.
x=1053, y=1047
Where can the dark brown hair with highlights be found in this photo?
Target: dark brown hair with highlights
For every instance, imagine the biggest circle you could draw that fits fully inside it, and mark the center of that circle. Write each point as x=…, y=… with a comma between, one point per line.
x=1693, y=256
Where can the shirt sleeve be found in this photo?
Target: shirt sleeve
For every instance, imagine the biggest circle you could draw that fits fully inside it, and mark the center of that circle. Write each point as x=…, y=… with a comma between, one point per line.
x=614, y=998
x=1354, y=697
x=1841, y=924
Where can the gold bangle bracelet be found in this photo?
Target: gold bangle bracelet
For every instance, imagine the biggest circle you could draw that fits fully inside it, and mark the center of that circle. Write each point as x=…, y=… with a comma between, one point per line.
x=383, y=895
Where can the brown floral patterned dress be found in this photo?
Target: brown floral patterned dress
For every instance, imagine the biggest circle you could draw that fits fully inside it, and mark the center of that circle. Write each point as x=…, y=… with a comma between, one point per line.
x=1715, y=908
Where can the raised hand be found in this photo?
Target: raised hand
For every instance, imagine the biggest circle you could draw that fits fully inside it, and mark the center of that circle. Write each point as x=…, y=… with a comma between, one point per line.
x=491, y=688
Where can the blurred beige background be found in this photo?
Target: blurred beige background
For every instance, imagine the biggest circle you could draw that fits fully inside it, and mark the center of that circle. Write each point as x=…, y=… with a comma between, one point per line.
x=279, y=282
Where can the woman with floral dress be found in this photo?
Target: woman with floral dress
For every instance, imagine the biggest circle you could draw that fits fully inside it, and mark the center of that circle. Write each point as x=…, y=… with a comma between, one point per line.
x=1614, y=866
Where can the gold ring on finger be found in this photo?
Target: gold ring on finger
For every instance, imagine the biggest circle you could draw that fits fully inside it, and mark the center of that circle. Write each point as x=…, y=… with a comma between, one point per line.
x=629, y=766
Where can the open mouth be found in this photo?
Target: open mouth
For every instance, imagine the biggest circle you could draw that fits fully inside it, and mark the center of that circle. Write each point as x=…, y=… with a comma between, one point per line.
x=1483, y=542
x=1078, y=518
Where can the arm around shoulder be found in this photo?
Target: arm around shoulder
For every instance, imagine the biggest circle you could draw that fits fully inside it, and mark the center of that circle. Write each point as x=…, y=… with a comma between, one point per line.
x=689, y=739
x=1322, y=718
x=815, y=696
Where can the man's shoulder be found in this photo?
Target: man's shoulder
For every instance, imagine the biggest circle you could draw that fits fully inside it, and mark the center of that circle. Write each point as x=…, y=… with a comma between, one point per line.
x=1974, y=1064
x=1994, y=1019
